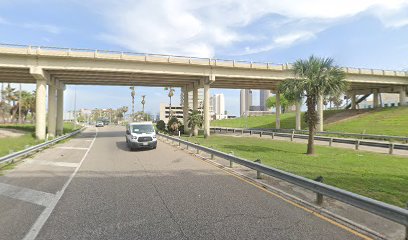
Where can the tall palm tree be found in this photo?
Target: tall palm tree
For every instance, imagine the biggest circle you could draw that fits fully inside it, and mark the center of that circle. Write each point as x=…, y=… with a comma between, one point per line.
x=314, y=77
x=170, y=95
x=195, y=119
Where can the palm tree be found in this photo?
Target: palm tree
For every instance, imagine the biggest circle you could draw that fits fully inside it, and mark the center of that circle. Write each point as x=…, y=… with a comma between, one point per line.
x=314, y=77
x=195, y=119
x=170, y=95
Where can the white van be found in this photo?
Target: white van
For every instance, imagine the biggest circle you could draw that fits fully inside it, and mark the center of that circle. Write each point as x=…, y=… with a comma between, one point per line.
x=141, y=135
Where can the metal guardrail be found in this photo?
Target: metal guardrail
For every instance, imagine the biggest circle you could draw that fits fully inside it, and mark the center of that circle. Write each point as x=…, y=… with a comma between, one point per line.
x=393, y=213
x=95, y=53
x=27, y=151
x=295, y=134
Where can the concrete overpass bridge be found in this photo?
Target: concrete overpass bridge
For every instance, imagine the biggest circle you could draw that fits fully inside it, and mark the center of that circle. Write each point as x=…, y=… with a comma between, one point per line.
x=57, y=67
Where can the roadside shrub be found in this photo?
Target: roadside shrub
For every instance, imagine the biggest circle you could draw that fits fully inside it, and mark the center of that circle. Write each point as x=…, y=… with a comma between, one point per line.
x=173, y=125
x=161, y=125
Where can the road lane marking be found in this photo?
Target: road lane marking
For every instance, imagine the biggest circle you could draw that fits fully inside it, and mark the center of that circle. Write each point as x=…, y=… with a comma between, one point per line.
x=73, y=148
x=257, y=185
x=26, y=194
x=39, y=223
x=51, y=163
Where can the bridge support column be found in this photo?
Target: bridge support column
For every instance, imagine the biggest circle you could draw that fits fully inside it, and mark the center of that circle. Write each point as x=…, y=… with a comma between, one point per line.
x=207, y=83
x=375, y=99
x=206, y=110
x=353, y=101
x=52, y=109
x=298, y=115
x=195, y=104
x=320, y=120
x=185, y=109
x=41, y=114
x=403, y=97
x=278, y=109
x=60, y=108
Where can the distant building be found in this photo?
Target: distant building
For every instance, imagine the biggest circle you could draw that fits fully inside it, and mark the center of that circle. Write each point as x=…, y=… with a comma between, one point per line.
x=217, y=108
x=263, y=96
x=245, y=101
x=177, y=111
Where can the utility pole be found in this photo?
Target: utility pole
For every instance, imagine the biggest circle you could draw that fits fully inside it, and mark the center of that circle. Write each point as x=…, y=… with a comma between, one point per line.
x=75, y=119
x=143, y=103
x=133, y=102
x=20, y=119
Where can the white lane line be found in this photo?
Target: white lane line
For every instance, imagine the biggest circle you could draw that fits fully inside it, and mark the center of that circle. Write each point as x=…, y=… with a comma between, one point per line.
x=26, y=194
x=73, y=148
x=39, y=223
x=51, y=163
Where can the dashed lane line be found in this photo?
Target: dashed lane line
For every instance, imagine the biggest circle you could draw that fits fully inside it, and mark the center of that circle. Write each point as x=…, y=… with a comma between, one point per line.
x=73, y=148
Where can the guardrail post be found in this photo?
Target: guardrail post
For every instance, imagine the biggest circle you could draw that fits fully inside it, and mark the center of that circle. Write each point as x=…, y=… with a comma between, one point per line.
x=242, y=131
x=231, y=162
x=250, y=132
x=292, y=136
x=357, y=144
x=330, y=142
x=273, y=135
x=391, y=150
x=406, y=227
x=186, y=147
x=319, y=196
x=258, y=173
x=260, y=134
x=233, y=130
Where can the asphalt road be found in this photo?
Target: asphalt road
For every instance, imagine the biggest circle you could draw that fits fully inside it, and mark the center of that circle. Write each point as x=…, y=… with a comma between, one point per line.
x=95, y=188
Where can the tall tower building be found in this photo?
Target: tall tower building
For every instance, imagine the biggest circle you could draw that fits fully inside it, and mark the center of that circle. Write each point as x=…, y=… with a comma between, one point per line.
x=245, y=101
x=218, y=106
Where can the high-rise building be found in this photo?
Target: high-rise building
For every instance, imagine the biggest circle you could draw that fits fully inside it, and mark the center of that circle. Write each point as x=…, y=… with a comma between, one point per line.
x=245, y=101
x=190, y=98
x=218, y=106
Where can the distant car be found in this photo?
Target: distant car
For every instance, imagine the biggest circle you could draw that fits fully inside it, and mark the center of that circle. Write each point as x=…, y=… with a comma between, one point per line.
x=141, y=135
x=99, y=124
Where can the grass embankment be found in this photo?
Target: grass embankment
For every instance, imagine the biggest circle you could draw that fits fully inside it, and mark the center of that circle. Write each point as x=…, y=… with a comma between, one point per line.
x=379, y=176
x=14, y=144
x=383, y=121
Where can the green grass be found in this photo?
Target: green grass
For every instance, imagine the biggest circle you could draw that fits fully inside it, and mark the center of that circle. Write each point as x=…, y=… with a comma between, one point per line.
x=14, y=144
x=384, y=121
x=379, y=176
x=288, y=121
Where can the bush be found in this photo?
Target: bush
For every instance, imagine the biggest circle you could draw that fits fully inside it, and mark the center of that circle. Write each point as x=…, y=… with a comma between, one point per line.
x=161, y=126
x=173, y=125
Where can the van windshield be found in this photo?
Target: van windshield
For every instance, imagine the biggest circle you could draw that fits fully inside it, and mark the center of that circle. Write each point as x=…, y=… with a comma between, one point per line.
x=147, y=128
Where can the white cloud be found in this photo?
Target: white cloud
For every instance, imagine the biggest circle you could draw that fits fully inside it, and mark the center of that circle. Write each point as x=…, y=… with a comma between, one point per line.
x=42, y=27
x=199, y=28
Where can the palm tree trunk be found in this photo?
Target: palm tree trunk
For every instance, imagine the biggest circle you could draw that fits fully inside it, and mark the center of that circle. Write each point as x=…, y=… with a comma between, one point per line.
x=311, y=120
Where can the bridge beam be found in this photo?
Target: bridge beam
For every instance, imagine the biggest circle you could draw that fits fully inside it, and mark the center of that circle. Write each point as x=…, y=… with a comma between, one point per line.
x=40, y=116
x=60, y=108
x=52, y=108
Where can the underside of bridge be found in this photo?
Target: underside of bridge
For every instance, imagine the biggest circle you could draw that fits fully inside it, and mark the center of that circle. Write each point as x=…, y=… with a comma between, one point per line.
x=56, y=68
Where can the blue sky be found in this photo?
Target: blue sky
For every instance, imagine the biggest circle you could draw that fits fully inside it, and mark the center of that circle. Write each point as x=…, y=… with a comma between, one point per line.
x=371, y=34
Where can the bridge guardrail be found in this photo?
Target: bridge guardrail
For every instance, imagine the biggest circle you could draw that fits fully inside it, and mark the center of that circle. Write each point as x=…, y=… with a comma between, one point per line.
x=295, y=134
x=388, y=211
x=27, y=151
x=29, y=49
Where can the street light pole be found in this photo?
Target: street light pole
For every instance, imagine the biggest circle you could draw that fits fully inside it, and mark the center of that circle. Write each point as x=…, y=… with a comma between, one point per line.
x=133, y=101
